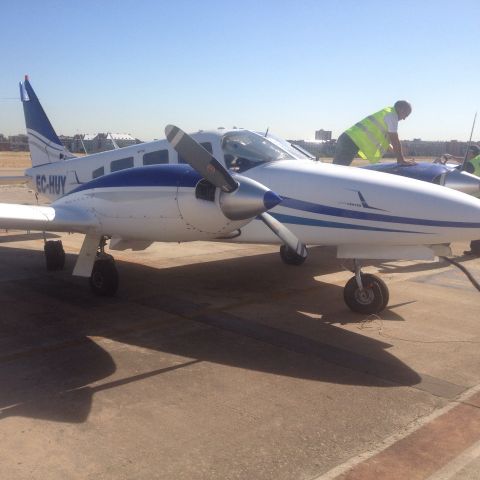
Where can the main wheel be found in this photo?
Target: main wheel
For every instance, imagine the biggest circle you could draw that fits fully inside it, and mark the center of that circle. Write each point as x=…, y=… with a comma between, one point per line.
x=372, y=299
x=475, y=247
x=104, y=278
x=54, y=255
x=290, y=257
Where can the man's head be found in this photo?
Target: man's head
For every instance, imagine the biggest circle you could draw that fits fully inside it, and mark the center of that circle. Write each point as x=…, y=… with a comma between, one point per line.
x=473, y=151
x=403, y=109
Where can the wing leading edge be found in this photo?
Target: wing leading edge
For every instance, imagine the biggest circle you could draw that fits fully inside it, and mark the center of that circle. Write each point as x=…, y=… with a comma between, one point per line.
x=48, y=219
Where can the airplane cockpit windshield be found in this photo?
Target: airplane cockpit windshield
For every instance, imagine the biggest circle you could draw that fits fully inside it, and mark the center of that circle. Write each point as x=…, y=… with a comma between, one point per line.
x=243, y=150
x=295, y=150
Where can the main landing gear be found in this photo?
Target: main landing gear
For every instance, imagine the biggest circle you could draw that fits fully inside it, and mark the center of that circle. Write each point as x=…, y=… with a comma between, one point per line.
x=365, y=293
x=54, y=255
x=104, y=277
x=290, y=257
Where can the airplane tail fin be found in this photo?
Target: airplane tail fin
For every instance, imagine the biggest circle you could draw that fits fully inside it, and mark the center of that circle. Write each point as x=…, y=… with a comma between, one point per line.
x=45, y=146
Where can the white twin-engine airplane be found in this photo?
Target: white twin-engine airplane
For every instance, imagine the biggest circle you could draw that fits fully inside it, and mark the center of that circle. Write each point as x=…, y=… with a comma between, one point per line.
x=219, y=185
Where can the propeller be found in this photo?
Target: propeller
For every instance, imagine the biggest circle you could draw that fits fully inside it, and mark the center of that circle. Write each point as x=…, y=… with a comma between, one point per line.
x=241, y=197
x=284, y=234
x=199, y=159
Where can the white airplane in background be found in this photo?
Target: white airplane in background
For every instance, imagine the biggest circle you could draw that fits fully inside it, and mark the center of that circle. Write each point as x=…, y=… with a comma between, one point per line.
x=178, y=190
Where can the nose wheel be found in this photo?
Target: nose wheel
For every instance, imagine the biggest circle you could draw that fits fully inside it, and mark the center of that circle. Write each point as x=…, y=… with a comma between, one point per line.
x=365, y=293
x=104, y=278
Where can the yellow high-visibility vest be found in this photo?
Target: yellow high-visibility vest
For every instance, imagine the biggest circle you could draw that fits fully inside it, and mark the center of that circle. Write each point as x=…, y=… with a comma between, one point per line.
x=370, y=135
x=475, y=161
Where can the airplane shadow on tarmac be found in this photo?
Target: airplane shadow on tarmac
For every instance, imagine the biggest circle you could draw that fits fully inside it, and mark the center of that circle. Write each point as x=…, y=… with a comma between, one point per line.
x=246, y=312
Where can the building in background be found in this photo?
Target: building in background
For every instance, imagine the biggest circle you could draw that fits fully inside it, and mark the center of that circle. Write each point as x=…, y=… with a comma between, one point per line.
x=323, y=135
x=100, y=142
x=322, y=146
x=316, y=147
x=4, y=143
x=18, y=143
x=424, y=148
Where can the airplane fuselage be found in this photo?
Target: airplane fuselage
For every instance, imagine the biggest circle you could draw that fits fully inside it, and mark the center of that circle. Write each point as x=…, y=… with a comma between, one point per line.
x=322, y=204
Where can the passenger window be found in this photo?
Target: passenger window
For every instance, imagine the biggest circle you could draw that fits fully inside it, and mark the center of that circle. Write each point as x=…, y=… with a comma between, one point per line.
x=98, y=172
x=121, y=164
x=155, y=158
x=206, y=145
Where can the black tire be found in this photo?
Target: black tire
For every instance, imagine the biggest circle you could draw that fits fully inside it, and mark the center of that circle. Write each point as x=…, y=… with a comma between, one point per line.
x=373, y=298
x=475, y=247
x=104, y=278
x=290, y=257
x=54, y=255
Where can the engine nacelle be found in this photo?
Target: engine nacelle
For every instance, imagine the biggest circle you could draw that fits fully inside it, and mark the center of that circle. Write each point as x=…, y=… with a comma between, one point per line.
x=462, y=181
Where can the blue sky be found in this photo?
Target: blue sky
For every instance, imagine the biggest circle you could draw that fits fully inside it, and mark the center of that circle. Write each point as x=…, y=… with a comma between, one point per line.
x=293, y=66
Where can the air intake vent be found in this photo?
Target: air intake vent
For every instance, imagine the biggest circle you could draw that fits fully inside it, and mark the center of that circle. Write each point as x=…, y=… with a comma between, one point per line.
x=205, y=190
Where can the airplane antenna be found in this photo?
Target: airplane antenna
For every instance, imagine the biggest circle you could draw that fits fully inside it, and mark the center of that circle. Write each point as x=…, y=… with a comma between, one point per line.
x=464, y=164
x=83, y=145
x=115, y=146
x=266, y=133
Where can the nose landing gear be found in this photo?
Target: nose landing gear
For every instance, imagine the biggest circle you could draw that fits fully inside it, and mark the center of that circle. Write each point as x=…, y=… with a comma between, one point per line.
x=365, y=293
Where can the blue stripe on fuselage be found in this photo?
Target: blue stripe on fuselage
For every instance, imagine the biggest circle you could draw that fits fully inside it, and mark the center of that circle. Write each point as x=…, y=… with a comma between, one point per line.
x=151, y=176
x=313, y=222
x=374, y=217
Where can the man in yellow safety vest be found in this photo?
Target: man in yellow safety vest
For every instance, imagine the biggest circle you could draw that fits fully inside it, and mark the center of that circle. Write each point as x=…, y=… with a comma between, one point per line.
x=472, y=163
x=373, y=136
x=475, y=160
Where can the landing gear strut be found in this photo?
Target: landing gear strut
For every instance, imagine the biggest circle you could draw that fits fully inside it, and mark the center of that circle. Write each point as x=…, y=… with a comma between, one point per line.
x=365, y=293
x=290, y=257
x=104, y=277
x=54, y=255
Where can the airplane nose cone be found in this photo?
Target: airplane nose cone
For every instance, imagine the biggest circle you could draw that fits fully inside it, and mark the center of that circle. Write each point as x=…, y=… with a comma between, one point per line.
x=250, y=199
x=271, y=199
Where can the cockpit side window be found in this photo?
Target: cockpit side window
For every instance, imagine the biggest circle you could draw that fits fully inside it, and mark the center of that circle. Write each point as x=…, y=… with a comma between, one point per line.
x=206, y=145
x=98, y=172
x=243, y=150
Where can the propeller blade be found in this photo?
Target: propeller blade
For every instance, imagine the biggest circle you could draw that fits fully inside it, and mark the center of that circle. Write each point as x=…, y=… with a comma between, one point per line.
x=199, y=159
x=285, y=235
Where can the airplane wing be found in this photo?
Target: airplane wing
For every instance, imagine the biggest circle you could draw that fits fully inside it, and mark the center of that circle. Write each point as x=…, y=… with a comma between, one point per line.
x=45, y=218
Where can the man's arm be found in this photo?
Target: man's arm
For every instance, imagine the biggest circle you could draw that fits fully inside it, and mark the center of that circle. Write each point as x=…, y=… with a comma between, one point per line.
x=397, y=149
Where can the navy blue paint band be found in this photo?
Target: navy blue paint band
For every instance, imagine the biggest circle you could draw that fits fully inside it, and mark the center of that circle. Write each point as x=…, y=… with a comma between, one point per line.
x=375, y=217
x=312, y=222
x=150, y=176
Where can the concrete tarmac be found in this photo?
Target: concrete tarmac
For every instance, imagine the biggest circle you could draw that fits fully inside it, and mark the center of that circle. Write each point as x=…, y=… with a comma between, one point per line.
x=217, y=361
